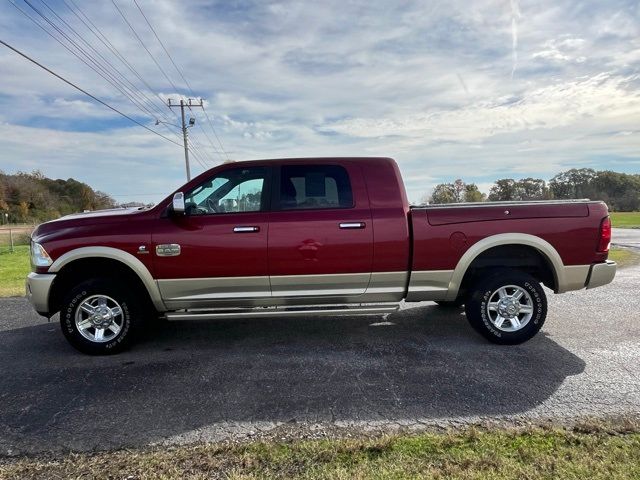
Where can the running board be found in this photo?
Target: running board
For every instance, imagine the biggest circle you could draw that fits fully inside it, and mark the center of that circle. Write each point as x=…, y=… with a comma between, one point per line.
x=282, y=312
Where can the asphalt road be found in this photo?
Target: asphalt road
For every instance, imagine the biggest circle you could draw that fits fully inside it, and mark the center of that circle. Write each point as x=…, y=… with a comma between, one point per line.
x=626, y=237
x=193, y=381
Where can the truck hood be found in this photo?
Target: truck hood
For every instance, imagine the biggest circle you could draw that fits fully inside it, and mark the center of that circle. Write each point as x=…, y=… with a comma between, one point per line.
x=68, y=223
x=114, y=213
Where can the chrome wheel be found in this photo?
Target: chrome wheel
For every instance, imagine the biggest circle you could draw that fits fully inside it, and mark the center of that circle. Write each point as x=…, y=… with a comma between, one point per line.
x=510, y=308
x=99, y=318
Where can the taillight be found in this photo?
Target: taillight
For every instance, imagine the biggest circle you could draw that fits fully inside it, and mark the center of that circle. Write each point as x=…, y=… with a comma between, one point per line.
x=605, y=235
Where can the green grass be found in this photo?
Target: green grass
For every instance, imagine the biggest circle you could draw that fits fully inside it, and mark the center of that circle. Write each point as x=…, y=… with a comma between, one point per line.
x=468, y=454
x=14, y=268
x=625, y=219
x=624, y=257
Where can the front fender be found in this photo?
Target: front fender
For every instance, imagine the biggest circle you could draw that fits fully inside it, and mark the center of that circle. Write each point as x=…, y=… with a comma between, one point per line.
x=115, y=254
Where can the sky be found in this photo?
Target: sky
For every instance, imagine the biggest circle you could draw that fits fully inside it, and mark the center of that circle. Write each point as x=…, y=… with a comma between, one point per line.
x=451, y=89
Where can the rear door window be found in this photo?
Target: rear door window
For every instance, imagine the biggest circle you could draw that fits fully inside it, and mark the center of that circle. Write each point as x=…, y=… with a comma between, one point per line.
x=305, y=187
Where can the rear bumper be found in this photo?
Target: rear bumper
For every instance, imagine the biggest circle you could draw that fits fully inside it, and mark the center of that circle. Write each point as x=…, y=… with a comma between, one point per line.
x=601, y=274
x=38, y=286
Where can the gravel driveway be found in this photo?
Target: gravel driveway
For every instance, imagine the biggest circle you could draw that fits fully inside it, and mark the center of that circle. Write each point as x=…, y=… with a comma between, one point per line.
x=196, y=380
x=626, y=237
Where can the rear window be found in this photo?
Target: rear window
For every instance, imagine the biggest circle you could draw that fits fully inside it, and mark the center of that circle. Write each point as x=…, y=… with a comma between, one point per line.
x=314, y=187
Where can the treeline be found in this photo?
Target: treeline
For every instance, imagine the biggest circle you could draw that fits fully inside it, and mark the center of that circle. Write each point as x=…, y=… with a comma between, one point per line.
x=620, y=191
x=31, y=197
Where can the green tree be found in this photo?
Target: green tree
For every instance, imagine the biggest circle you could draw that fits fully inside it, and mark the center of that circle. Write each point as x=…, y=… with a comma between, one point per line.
x=472, y=194
x=532, y=189
x=456, y=192
x=503, y=190
x=33, y=197
x=574, y=183
x=621, y=191
x=443, y=193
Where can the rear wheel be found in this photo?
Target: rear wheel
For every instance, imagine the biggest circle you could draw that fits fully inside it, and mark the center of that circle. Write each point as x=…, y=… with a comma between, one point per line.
x=507, y=307
x=98, y=316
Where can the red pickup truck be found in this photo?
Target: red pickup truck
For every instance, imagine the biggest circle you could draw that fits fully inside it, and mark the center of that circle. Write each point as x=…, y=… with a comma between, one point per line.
x=322, y=236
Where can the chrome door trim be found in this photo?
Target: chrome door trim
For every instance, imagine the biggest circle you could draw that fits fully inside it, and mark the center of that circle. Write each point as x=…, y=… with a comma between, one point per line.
x=246, y=229
x=346, y=225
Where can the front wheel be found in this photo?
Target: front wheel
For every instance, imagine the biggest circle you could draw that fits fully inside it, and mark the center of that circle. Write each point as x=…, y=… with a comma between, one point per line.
x=507, y=307
x=98, y=316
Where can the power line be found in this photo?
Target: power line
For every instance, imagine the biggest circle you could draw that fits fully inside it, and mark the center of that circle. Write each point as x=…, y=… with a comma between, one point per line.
x=103, y=70
x=105, y=41
x=98, y=68
x=196, y=154
x=144, y=46
x=184, y=79
x=214, y=132
x=27, y=57
x=116, y=79
x=93, y=28
x=205, y=133
x=113, y=72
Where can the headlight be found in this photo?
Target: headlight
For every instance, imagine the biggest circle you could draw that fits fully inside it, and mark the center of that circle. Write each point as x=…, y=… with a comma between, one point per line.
x=39, y=256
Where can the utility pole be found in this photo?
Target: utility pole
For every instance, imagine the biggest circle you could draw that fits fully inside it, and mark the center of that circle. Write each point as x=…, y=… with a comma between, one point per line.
x=185, y=136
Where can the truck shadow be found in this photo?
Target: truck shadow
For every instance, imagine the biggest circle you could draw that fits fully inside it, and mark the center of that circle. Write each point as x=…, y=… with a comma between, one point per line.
x=427, y=364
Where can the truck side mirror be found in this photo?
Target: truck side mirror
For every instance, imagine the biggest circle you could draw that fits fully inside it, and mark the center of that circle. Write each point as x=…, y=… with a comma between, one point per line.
x=178, y=203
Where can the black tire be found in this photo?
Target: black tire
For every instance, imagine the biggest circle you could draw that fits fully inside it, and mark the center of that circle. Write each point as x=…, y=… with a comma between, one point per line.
x=485, y=289
x=450, y=304
x=127, y=299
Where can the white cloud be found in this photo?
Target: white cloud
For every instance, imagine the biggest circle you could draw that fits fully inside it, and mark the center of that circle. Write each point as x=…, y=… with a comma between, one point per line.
x=428, y=83
x=565, y=103
x=565, y=49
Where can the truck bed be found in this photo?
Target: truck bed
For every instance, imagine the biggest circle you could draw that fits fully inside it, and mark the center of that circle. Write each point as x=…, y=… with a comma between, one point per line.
x=444, y=236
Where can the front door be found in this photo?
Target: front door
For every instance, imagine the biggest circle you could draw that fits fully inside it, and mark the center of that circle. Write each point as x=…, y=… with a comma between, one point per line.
x=320, y=233
x=217, y=251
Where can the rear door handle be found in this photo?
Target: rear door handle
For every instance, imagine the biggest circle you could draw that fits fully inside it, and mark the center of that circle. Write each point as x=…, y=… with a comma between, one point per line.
x=352, y=225
x=247, y=229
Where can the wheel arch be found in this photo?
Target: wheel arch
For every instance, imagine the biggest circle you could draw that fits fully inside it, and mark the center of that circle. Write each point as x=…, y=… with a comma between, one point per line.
x=541, y=247
x=82, y=259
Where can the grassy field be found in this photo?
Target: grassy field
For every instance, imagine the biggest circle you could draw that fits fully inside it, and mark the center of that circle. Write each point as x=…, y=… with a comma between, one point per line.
x=14, y=267
x=625, y=219
x=532, y=453
x=624, y=257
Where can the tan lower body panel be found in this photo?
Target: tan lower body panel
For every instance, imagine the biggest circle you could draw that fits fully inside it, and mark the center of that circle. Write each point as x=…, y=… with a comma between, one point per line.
x=199, y=290
x=574, y=278
x=429, y=285
x=314, y=285
x=283, y=290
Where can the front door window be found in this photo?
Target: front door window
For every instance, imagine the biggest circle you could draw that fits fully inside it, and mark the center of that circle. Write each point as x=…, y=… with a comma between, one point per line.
x=232, y=191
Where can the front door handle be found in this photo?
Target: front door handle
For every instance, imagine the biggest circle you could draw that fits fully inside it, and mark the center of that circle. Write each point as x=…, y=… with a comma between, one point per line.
x=246, y=229
x=352, y=225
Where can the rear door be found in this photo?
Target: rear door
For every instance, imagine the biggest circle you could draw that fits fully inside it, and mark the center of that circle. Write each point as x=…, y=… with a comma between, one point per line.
x=320, y=232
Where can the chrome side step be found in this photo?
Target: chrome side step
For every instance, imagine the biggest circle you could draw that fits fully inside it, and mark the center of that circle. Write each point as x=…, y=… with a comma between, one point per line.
x=282, y=312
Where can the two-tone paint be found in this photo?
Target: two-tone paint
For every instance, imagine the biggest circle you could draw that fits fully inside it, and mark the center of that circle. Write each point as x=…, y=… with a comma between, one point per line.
x=378, y=250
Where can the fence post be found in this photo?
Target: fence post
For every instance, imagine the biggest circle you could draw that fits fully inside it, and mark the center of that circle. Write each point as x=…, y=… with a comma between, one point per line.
x=11, y=240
